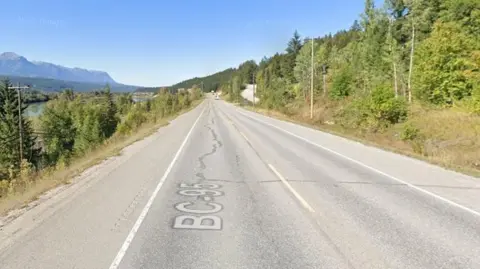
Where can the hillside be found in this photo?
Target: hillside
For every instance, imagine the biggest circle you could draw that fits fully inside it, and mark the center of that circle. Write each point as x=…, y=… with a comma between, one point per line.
x=210, y=83
x=53, y=85
x=12, y=64
x=149, y=89
x=421, y=100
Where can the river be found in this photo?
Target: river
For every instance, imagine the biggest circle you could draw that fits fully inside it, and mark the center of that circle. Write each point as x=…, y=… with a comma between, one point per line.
x=35, y=109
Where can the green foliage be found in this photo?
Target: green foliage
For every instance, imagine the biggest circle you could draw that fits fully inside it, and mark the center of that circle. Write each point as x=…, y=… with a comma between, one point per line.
x=11, y=118
x=196, y=94
x=210, y=83
x=109, y=119
x=342, y=84
x=464, y=12
x=385, y=108
x=447, y=70
x=413, y=135
x=235, y=89
x=32, y=96
x=49, y=85
x=410, y=132
x=124, y=103
x=246, y=71
x=59, y=132
x=295, y=44
x=374, y=112
x=134, y=119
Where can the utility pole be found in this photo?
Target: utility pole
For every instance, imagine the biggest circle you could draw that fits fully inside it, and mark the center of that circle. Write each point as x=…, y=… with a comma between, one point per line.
x=324, y=72
x=20, y=127
x=412, y=51
x=311, y=86
x=253, y=80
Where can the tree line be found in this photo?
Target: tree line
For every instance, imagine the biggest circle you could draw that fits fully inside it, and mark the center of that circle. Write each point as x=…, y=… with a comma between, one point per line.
x=72, y=125
x=407, y=51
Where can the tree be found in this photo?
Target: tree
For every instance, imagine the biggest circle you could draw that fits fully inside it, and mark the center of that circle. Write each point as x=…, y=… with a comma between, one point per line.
x=295, y=44
x=246, y=71
x=392, y=56
x=11, y=118
x=110, y=119
x=59, y=132
x=302, y=70
x=236, y=88
x=124, y=102
x=464, y=12
x=448, y=65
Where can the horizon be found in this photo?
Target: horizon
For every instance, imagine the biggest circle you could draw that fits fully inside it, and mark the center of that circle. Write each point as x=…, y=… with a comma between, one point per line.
x=197, y=45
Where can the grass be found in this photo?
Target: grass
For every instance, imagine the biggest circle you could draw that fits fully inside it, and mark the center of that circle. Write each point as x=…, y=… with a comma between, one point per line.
x=447, y=137
x=31, y=186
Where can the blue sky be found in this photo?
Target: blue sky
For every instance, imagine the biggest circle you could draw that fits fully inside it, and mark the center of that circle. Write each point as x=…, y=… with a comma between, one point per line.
x=157, y=42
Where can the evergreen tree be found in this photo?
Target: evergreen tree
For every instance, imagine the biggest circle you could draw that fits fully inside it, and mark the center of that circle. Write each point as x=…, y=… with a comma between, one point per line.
x=295, y=44
x=10, y=122
x=110, y=120
x=59, y=132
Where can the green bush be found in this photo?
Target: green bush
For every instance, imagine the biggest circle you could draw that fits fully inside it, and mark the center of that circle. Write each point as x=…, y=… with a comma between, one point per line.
x=447, y=67
x=385, y=108
x=341, y=86
x=58, y=125
x=134, y=119
x=376, y=111
x=412, y=135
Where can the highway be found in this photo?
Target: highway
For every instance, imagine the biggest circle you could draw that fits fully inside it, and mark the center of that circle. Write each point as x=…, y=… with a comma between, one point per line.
x=223, y=187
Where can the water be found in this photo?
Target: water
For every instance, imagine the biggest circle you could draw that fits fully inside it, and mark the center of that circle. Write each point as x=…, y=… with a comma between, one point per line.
x=35, y=109
x=141, y=99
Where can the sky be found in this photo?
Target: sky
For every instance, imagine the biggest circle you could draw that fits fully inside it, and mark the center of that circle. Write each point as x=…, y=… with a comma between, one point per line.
x=158, y=42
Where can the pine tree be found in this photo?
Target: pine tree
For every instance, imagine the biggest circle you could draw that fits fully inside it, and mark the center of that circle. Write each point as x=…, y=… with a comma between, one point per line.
x=295, y=44
x=9, y=130
x=110, y=120
x=59, y=131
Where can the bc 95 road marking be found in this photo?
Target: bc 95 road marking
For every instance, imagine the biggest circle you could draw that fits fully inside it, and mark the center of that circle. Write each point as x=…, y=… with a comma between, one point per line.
x=203, y=191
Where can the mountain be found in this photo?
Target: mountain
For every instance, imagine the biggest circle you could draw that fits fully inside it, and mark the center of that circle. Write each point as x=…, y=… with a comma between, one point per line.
x=12, y=64
x=54, y=85
x=209, y=83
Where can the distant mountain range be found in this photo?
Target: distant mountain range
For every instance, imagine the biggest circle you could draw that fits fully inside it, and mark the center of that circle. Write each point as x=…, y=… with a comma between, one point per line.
x=52, y=77
x=12, y=64
x=55, y=85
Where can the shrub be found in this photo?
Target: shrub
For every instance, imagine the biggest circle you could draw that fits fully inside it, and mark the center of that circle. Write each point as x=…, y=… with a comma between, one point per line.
x=135, y=118
x=341, y=85
x=377, y=111
x=385, y=108
x=414, y=137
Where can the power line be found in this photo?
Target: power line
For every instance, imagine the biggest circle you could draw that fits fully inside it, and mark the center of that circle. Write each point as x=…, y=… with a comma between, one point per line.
x=20, y=127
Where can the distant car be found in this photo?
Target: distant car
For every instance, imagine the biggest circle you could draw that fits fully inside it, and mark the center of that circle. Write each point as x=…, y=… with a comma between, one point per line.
x=216, y=97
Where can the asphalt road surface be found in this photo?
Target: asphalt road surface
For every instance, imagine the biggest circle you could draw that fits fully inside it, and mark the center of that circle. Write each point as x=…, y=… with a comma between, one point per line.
x=222, y=187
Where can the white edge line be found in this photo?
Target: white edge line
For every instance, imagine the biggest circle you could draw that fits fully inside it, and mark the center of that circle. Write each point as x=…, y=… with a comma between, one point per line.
x=298, y=196
x=118, y=259
x=369, y=167
x=245, y=137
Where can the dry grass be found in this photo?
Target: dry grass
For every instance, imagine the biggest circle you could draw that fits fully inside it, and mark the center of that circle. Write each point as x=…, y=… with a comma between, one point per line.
x=449, y=138
x=28, y=188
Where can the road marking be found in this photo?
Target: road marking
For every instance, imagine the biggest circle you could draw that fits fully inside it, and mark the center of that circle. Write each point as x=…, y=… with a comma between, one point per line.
x=452, y=203
x=298, y=196
x=143, y=214
x=244, y=136
x=272, y=168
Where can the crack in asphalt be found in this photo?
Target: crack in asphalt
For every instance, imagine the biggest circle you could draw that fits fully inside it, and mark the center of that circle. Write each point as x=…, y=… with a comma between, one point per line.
x=215, y=146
